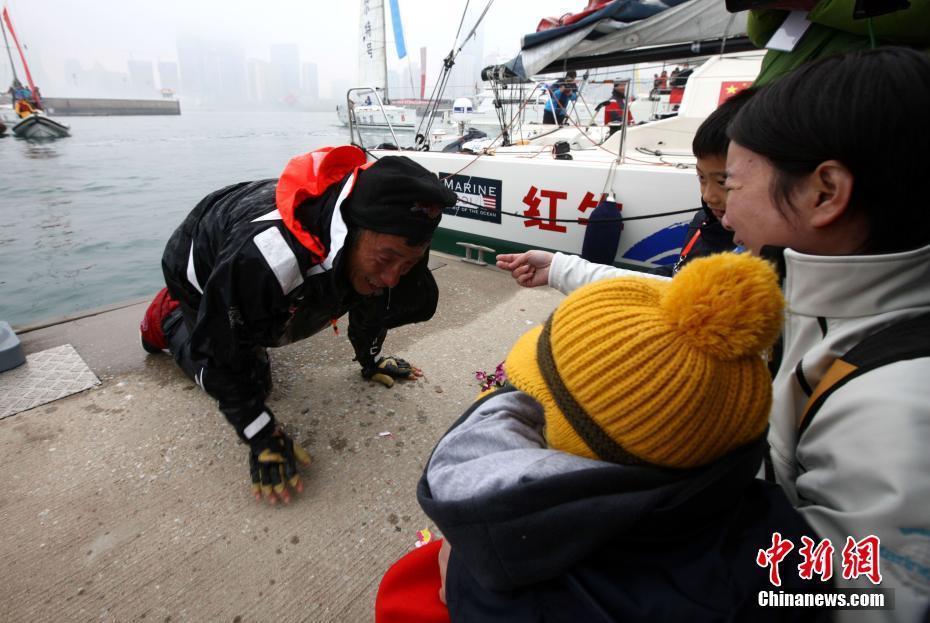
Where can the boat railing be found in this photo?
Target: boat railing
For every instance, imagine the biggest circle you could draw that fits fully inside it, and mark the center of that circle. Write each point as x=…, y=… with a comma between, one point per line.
x=350, y=109
x=624, y=116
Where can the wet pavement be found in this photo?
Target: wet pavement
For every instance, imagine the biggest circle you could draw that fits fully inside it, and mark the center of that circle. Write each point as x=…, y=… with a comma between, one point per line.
x=130, y=501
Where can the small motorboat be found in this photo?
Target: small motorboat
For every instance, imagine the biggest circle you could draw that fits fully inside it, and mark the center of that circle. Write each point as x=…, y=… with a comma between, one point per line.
x=27, y=104
x=37, y=125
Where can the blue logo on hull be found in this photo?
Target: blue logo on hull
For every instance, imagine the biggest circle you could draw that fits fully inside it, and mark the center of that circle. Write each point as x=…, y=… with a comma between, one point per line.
x=661, y=248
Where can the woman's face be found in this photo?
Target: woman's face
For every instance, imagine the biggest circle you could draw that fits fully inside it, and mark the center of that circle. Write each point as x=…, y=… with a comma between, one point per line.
x=751, y=212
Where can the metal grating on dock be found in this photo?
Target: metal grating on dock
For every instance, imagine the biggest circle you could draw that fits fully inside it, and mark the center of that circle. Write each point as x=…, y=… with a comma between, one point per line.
x=46, y=376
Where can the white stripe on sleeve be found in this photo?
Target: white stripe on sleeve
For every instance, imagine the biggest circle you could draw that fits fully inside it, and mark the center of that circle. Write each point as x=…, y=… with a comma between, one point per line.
x=257, y=425
x=191, y=272
x=280, y=258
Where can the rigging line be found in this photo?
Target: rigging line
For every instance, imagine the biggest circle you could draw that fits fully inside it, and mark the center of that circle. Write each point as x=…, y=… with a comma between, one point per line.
x=461, y=23
x=475, y=27
x=8, y=52
x=521, y=109
x=440, y=86
x=449, y=61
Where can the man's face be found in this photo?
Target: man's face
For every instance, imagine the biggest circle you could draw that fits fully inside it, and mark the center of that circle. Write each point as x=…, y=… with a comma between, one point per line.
x=379, y=260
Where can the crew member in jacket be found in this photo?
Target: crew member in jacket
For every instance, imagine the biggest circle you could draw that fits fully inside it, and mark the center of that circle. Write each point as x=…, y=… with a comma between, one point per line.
x=615, y=481
x=266, y=263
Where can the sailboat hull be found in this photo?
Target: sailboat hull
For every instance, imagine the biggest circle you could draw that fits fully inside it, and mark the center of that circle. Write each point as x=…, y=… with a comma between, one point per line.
x=380, y=117
x=40, y=127
x=550, y=192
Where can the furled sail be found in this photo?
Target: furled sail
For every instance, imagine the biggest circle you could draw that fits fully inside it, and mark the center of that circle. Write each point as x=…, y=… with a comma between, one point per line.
x=626, y=25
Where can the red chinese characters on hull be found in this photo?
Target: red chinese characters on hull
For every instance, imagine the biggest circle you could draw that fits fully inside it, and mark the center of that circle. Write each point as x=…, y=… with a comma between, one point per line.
x=535, y=197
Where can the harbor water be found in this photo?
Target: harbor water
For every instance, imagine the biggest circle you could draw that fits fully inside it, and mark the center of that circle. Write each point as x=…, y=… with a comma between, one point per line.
x=85, y=218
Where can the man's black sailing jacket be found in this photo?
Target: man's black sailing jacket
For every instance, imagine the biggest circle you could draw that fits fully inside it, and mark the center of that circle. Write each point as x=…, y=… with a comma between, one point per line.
x=249, y=275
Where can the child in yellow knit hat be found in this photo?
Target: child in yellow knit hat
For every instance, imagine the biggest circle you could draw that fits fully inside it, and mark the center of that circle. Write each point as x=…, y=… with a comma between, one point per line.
x=615, y=479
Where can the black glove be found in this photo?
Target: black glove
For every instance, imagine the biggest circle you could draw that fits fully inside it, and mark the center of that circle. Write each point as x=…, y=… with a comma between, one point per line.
x=386, y=369
x=273, y=466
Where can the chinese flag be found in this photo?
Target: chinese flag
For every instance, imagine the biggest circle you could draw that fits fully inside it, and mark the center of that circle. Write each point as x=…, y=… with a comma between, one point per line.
x=729, y=89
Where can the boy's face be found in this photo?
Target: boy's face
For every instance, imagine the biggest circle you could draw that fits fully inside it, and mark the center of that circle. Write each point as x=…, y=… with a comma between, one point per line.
x=712, y=175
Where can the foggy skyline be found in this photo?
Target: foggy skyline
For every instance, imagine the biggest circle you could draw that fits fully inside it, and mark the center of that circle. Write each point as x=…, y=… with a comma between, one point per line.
x=109, y=34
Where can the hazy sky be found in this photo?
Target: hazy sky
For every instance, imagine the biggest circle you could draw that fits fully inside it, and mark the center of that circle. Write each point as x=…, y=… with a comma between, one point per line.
x=113, y=31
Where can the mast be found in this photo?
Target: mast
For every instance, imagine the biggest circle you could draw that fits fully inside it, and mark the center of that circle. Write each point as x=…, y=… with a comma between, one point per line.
x=384, y=55
x=9, y=24
x=8, y=52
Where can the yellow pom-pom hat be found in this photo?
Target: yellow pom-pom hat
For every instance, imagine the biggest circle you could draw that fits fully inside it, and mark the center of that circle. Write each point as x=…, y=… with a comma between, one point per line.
x=665, y=373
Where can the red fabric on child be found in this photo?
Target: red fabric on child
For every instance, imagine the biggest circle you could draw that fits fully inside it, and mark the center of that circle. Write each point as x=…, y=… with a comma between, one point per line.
x=409, y=591
x=161, y=306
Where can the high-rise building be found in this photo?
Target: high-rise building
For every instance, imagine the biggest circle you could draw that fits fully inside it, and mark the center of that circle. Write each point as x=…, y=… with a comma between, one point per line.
x=395, y=88
x=231, y=84
x=338, y=89
x=141, y=78
x=212, y=72
x=261, y=81
x=192, y=62
x=103, y=82
x=168, y=76
x=285, y=61
x=75, y=78
x=410, y=80
x=466, y=73
x=311, y=81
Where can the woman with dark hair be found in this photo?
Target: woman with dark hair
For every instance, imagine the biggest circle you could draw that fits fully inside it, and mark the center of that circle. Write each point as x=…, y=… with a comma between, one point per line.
x=827, y=173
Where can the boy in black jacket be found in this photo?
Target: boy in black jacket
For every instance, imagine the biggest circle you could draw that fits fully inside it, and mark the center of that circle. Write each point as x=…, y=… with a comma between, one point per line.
x=706, y=234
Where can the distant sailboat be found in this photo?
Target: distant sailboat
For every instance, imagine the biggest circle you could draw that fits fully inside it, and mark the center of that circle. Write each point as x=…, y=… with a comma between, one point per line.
x=32, y=121
x=375, y=109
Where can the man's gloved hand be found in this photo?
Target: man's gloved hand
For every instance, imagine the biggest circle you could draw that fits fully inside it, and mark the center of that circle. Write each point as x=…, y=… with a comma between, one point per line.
x=386, y=369
x=273, y=465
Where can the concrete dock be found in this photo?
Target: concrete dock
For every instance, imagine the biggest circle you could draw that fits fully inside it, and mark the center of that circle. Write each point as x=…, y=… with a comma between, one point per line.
x=102, y=107
x=130, y=501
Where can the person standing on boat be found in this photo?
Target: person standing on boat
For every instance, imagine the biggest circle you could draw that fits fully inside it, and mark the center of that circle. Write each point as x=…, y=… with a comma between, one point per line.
x=561, y=94
x=615, y=107
x=267, y=263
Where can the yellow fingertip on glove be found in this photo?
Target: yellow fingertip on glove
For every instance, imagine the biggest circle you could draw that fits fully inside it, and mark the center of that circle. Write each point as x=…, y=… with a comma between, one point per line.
x=302, y=456
x=384, y=379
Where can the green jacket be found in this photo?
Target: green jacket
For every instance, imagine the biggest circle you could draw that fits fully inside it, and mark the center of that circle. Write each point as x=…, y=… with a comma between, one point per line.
x=833, y=30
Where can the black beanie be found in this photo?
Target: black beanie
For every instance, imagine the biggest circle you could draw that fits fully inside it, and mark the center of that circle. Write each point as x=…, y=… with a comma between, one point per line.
x=386, y=197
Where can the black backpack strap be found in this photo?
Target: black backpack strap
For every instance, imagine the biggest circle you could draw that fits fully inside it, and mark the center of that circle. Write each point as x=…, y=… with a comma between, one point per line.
x=901, y=341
